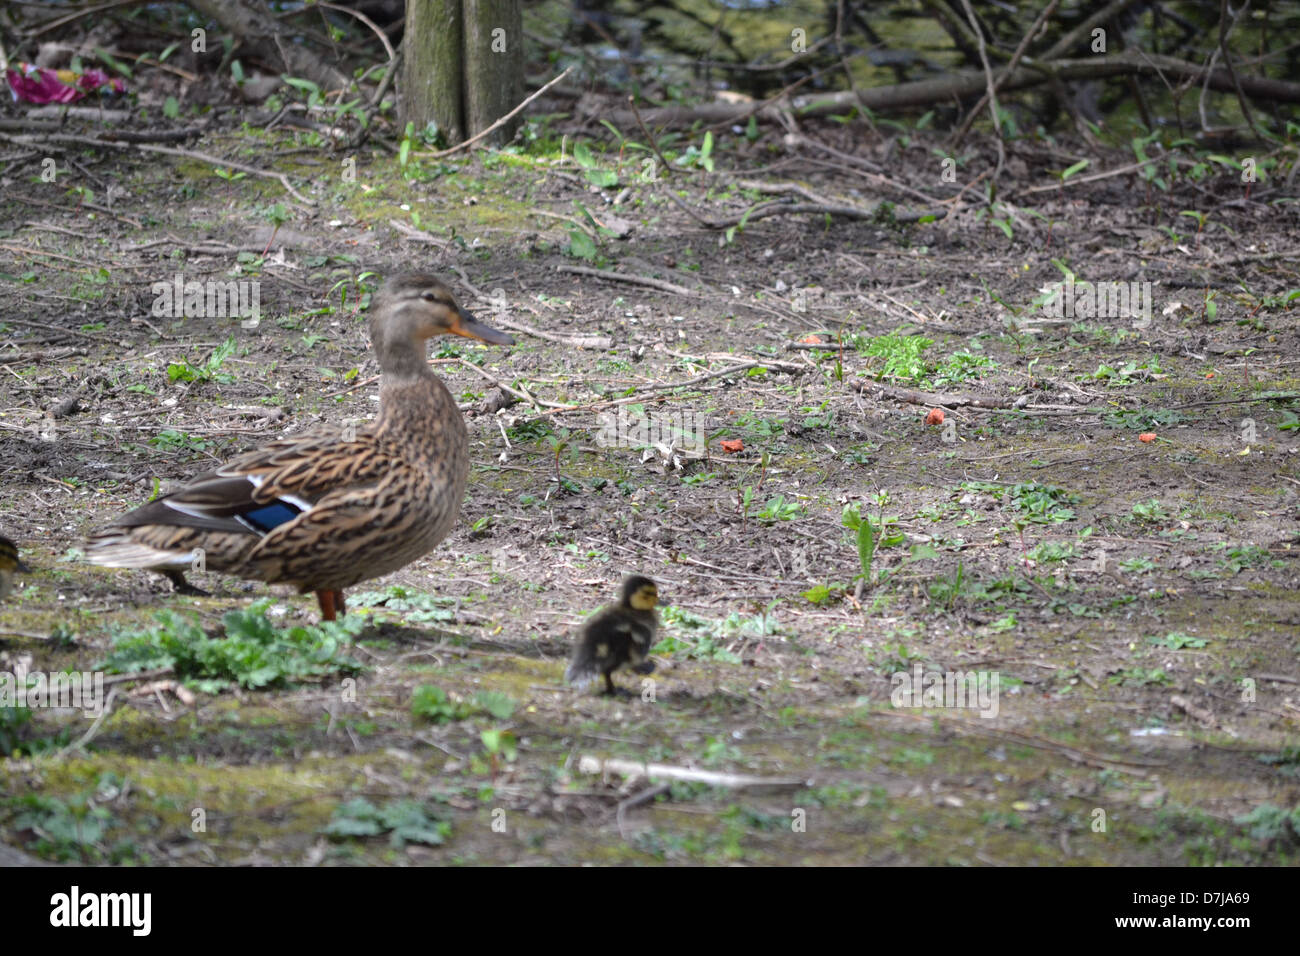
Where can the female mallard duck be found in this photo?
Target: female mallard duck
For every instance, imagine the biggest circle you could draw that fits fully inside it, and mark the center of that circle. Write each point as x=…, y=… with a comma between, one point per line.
x=332, y=506
x=9, y=563
x=618, y=635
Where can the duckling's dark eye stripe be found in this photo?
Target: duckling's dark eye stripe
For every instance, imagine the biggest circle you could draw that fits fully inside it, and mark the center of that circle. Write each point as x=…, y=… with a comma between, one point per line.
x=269, y=517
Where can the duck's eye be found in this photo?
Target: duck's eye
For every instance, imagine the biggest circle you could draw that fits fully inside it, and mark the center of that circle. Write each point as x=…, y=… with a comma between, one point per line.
x=429, y=296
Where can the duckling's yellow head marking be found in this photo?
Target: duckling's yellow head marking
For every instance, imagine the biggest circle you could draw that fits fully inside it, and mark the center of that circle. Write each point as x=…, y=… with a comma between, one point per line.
x=640, y=593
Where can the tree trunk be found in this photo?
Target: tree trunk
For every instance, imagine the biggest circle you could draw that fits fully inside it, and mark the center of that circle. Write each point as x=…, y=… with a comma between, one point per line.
x=462, y=65
x=432, y=67
x=494, y=65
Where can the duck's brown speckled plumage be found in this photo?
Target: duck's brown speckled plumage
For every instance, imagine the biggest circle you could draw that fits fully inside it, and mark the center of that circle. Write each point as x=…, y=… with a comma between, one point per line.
x=10, y=564
x=327, y=509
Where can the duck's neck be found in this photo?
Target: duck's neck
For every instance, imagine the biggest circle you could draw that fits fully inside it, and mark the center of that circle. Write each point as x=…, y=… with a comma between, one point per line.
x=418, y=413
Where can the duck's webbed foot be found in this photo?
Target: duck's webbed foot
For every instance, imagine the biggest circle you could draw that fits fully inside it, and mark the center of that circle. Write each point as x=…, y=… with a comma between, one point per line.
x=180, y=585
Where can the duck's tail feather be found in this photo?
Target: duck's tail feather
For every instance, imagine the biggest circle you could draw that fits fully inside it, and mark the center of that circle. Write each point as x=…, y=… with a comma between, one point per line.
x=119, y=551
x=581, y=671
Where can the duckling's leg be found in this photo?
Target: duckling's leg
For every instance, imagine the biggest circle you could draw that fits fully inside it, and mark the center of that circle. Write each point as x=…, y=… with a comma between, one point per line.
x=326, y=601
x=180, y=585
x=609, y=684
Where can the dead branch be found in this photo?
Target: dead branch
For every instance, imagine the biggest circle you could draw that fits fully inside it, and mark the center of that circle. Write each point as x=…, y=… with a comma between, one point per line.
x=968, y=83
x=631, y=768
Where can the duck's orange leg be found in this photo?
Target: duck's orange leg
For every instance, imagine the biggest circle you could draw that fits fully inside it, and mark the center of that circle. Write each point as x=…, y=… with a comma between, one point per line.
x=326, y=601
x=339, y=605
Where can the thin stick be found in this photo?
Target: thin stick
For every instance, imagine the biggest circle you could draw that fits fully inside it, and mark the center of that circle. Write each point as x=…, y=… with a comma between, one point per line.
x=992, y=90
x=632, y=768
x=1005, y=72
x=659, y=284
x=631, y=101
x=498, y=124
x=383, y=37
x=601, y=342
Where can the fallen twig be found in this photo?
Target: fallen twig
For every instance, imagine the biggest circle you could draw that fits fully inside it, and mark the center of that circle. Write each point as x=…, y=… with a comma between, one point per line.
x=497, y=125
x=601, y=342
x=169, y=151
x=659, y=284
x=933, y=399
x=633, y=768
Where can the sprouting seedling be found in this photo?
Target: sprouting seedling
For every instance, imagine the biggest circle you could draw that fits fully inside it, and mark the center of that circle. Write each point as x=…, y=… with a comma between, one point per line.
x=1069, y=171
x=558, y=442
x=1211, y=307
x=745, y=493
x=1047, y=219
x=866, y=536
x=1200, y=218
x=404, y=149
x=312, y=90
x=277, y=215
x=499, y=744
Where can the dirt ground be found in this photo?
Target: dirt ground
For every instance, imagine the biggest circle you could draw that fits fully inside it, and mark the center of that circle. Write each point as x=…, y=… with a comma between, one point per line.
x=1134, y=596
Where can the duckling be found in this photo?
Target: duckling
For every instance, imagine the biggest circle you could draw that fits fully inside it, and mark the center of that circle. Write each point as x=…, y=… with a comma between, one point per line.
x=9, y=563
x=330, y=507
x=617, y=635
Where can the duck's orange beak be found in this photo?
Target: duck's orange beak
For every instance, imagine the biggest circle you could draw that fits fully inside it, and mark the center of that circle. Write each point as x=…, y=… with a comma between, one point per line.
x=466, y=325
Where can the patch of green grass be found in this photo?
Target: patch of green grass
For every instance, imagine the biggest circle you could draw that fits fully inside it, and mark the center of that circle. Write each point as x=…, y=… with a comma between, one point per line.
x=1246, y=556
x=1177, y=640
x=434, y=703
x=1126, y=374
x=1150, y=512
x=170, y=438
x=1046, y=552
x=701, y=478
x=1141, y=677
x=17, y=735
x=73, y=828
x=961, y=367
x=405, y=821
x=252, y=652
x=700, y=638
x=900, y=355
x=12, y=721
x=1138, y=565
x=209, y=371
x=1272, y=824
x=1287, y=761
x=756, y=427
x=1042, y=504
x=893, y=658
x=822, y=594
x=529, y=431
x=411, y=606
x=1145, y=420
x=946, y=589
x=778, y=509
x=900, y=358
